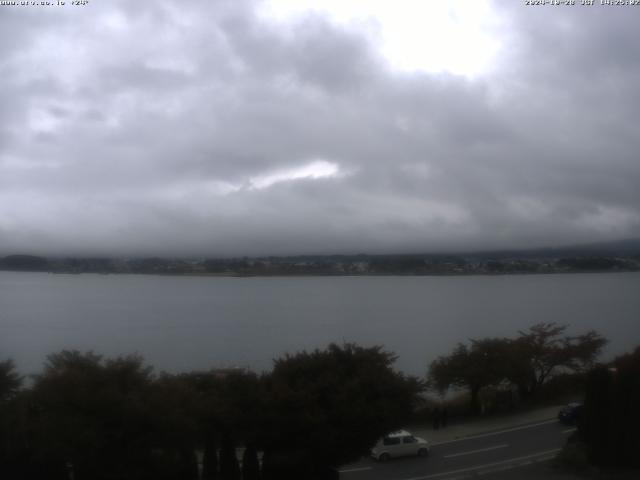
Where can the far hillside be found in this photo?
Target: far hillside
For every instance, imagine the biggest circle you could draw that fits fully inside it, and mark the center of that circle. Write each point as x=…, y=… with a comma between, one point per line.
x=622, y=256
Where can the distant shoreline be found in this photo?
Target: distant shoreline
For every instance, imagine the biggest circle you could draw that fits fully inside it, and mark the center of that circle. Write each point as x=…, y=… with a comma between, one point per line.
x=317, y=275
x=496, y=263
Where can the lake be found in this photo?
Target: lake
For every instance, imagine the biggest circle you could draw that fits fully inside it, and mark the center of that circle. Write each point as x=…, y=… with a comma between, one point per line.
x=186, y=323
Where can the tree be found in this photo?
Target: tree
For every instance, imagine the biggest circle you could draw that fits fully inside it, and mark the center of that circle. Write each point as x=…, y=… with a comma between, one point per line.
x=11, y=421
x=178, y=425
x=542, y=351
x=250, y=463
x=481, y=364
x=91, y=415
x=528, y=361
x=611, y=418
x=229, y=466
x=329, y=407
x=10, y=381
x=241, y=403
x=206, y=411
x=229, y=407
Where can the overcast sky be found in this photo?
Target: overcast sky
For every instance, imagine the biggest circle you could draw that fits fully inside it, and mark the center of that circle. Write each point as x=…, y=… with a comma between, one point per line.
x=255, y=127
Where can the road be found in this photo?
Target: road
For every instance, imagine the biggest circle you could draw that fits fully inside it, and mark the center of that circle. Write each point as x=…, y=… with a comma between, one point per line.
x=480, y=454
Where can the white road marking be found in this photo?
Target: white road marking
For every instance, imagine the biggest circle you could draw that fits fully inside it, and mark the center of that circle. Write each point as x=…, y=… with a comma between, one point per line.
x=471, y=437
x=569, y=430
x=475, y=451
x=486, y=465
x=349, y=470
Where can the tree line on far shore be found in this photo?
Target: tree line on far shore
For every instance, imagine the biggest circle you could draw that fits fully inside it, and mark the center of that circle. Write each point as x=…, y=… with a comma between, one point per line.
x=472, y=264
x=89, y=417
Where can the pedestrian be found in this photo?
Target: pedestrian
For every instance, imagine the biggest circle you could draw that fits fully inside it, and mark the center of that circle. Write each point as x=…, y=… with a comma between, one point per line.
x=443, y=420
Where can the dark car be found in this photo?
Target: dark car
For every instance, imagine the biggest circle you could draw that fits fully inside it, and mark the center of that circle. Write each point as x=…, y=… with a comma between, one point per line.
x=570, y=413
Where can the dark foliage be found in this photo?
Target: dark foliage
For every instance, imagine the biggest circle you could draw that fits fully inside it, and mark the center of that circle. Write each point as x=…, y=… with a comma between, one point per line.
x=97, y=419
x=10, y=381
x=91, y=416
x=329, y=407
x=611, y=420
x=229, y=466
x=528, y=362
x=250, y=463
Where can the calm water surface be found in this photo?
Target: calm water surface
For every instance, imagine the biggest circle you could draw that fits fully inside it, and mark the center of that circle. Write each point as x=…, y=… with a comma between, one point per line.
x=186, y=323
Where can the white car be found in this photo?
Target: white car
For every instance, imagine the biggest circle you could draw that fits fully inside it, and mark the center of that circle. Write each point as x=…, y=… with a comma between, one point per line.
x=399, y=444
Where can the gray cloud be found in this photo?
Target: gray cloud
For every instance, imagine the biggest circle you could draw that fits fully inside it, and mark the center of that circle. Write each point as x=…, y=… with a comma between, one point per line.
x=145, y=129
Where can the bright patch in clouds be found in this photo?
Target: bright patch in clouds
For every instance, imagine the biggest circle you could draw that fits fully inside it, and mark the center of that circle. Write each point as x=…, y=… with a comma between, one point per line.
x=313, y=170
x=194, y=189
x=433, y=36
